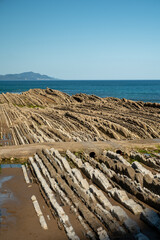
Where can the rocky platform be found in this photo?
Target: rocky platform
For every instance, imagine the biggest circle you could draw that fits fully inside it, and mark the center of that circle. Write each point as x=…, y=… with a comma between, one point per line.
x=111, y=197
x=108, y=194
x=48, y=115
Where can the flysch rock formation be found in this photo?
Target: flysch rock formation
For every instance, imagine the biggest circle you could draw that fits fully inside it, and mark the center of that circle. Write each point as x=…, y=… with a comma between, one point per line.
x=46, y=115
x=106, y=195
x=109, y=203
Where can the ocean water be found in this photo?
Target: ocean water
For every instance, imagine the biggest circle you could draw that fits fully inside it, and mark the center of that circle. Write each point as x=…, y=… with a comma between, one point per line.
x=137, y=90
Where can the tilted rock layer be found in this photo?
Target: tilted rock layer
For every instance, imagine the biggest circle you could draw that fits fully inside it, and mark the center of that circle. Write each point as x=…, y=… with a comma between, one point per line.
x=46, y=115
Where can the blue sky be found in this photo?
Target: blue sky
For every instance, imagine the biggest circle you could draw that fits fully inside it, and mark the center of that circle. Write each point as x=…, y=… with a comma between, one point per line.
x=81, y=39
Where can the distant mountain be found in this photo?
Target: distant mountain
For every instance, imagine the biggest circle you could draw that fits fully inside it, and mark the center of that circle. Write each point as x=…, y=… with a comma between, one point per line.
x=26, y=76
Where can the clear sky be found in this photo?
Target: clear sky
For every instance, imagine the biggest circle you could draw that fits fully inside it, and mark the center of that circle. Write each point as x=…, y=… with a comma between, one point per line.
x=81, y=39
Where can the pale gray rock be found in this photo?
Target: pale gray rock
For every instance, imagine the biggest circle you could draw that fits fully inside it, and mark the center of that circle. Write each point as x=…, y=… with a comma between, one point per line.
x=107, y=171
x=63, y=161
x=130, y=204
x=143, y=170
x=139, y=178
x=82, y=181
x=119, y=213
x=102, y=234
x=100, y=180
x=120, y=195
x=25, y=174
x=131, y=226
x=76, y=160
x=133, y=206
x=88, y=169
x=49, y=193
x=39, y=213
x=100, y=197
x=118, y=157
x=151, y=217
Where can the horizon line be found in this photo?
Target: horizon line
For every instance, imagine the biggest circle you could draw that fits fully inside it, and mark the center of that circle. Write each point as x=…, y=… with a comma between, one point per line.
x=58, y=79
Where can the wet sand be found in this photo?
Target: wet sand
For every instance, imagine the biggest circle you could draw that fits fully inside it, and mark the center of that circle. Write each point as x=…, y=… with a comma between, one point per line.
x=18, y=219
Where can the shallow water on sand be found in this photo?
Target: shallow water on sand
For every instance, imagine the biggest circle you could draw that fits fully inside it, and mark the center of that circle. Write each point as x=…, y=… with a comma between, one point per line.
x=11, y=165
x=5, y=179
x=5, y=196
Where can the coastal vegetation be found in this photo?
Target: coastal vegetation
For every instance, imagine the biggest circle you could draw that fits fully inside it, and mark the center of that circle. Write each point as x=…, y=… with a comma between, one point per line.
x=28, y=106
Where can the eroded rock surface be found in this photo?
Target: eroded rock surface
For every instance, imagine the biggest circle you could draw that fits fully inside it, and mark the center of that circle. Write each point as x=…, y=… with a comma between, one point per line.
x=101, y=201
x=47, y=115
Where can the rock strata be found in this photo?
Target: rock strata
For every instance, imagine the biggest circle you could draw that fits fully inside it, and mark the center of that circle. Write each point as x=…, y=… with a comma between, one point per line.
x=46, y=115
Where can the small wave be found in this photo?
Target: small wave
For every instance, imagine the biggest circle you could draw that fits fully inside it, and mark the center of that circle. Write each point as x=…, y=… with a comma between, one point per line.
x=16, y=92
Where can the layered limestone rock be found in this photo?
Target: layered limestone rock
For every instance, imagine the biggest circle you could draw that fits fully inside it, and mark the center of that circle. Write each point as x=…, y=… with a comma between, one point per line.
x=99, y=202
x=152, y=218
x=55, y=116
x=118, y=157
x=63, y=217
x=130, y=204
x=136, y=165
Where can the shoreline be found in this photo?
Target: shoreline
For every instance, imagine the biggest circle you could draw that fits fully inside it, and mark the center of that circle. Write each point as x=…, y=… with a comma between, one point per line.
x=136, y=90
x=77, y=93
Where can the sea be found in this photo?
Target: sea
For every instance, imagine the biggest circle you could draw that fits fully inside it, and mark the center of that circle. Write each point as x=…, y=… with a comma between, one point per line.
x=137, y=90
